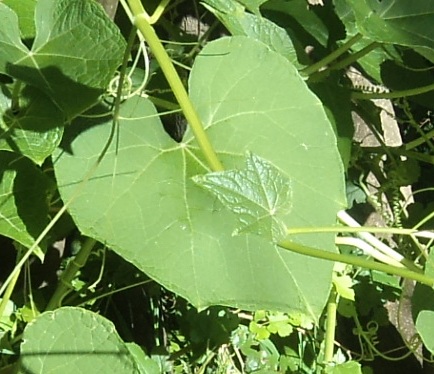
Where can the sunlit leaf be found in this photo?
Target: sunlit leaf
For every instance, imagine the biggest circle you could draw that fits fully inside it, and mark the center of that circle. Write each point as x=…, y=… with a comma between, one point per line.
x=142, y=202
x=74, y=340
x=259, y=195
x=239, y=22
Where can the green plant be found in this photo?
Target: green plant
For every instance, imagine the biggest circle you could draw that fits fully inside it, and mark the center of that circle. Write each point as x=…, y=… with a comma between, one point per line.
x=240, y=212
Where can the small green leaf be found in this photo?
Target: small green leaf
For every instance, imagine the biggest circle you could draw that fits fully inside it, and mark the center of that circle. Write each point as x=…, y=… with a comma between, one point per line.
x=74, y=340
x=344, y=284
x=422, y=304
x=36, y=130
x=282, y=328
x=145, y=364
x=350, y=367
x=259, y=314
x=259, y=330
x=259, y=195
x=425, y=328
x=429, y=266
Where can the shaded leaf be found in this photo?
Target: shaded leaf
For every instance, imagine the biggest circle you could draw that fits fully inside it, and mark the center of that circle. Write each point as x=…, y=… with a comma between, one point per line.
x=301, y=13
x=23, y=199
x=422, y=304
x=35, y=131
x=425, y=328
x=252, y=5
x=74, y=55
x=259, y=195
x=350, y=367
x=397, y=22
x=145, y=364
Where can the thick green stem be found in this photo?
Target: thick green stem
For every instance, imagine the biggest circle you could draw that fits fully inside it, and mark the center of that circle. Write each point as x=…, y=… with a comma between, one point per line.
x=356, y=261
x=329, y=342
x=341, y=229
x=393, y=94
x=141, y=20
x=70, y=272
x=331, y=57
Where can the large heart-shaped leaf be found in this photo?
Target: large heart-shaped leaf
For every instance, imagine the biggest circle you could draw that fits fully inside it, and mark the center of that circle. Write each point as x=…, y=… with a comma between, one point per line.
x=408, y=23
x=74, y=340
x=74, y=55
x=142, y=201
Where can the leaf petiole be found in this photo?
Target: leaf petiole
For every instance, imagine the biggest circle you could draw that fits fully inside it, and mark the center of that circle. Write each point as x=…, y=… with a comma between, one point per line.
x=331, y=57
x=142, y=22
x=356, y=261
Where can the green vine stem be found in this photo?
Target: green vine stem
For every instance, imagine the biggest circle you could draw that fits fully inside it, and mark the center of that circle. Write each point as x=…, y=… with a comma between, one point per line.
x=375, y=242
x=158, y=11
x=329, y=341
x=142, y=22
x=424, y=138
x=331, y=57
x=8, y=293
x=393, y=94
x=15, y=101
x=354, y=56
x=122, y=74
x=356, y=261
x=70, y=272
x=368, y=250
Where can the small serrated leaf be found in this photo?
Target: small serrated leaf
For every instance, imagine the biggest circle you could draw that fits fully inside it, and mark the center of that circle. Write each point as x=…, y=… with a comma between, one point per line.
x=260, y=196
x=282, y=328
x=260, y=331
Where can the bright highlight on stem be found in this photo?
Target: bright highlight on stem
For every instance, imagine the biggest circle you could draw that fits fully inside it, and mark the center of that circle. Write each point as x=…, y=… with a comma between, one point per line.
x=142, y=22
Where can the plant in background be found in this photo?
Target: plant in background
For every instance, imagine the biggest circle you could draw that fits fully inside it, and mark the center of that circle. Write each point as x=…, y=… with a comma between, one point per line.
x=238, y=215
